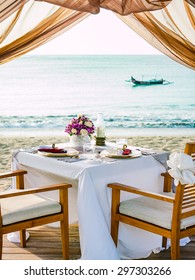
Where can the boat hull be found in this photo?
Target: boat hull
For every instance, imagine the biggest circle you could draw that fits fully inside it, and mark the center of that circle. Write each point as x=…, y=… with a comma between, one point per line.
x=147, y=83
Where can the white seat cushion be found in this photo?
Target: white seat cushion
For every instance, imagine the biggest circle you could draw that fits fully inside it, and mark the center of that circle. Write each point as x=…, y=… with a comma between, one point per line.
x=153, y=211
x=25, y=207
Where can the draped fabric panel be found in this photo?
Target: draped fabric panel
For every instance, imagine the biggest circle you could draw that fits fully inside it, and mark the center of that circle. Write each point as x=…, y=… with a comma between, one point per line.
x=191, y=2
x=170, y=30
x=8, y=7
x=78, y=5
x=33, y=25
x=123, y=7
x=168, y=25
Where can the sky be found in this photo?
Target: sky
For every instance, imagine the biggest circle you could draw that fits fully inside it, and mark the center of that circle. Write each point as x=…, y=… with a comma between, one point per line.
x=103, y=33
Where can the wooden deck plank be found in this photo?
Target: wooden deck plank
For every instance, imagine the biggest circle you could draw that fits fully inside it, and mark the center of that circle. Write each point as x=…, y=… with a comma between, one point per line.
x=45, y=244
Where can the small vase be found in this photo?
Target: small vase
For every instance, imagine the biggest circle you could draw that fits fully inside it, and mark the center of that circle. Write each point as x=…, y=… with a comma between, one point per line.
x=77, y=141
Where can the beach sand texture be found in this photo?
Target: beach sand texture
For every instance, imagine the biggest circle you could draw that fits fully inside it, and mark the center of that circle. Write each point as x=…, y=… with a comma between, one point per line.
x=9, y=144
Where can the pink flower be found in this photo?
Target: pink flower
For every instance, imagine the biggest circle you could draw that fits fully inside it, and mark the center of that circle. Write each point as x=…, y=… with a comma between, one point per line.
x=81, y=125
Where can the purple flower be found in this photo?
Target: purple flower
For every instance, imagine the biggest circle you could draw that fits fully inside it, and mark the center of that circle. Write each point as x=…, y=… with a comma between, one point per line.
x=80, y=126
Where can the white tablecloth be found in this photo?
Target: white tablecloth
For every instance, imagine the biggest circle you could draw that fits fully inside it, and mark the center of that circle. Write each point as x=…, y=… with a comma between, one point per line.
x=90, y=199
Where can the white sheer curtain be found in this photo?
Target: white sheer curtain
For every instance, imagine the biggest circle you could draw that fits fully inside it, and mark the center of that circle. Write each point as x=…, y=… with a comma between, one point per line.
x=33, y=25
x=171, y=30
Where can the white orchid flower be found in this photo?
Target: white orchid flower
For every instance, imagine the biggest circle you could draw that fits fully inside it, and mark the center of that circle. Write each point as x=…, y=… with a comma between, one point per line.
x=73, y=131
x=88, y=124
x=182, y=168
x=84, y=132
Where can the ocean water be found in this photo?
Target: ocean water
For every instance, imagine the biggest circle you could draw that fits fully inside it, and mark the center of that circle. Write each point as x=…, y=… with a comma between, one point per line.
x=42, y=93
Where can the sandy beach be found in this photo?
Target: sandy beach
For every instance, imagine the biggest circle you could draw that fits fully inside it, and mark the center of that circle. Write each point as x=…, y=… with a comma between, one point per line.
x=9, y=144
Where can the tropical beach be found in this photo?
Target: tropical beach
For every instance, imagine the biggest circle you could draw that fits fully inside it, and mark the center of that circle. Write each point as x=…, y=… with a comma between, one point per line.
x=159, y=117
x=46, y=84
x=11, y=143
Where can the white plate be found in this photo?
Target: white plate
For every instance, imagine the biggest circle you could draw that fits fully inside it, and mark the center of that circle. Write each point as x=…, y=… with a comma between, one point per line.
x=113, y=154
x=70, y=153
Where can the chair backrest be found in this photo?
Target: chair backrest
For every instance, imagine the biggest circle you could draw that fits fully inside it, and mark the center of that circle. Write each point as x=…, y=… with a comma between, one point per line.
x=184, y=203
x=190, y=149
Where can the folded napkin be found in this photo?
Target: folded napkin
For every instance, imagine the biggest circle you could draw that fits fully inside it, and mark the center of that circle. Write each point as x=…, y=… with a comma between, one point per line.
x=161, y=157
x=52, y=150
x=182, y=168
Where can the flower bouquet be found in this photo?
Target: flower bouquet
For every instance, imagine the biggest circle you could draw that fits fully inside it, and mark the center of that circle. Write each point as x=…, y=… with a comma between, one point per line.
x=80, y=130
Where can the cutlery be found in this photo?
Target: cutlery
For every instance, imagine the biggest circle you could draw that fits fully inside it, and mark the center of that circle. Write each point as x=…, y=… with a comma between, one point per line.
x=146, y=152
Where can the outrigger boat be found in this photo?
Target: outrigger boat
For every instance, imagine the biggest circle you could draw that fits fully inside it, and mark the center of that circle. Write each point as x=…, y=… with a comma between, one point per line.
x=147, y=82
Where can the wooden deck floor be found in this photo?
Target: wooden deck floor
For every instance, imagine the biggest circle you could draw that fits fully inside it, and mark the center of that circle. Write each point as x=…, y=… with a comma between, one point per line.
x=45, y=244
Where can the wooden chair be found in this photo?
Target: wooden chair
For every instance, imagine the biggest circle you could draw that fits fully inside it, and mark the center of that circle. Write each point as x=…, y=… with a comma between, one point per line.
x=168, y=180
x=21, y=209
x=190, y=149
x=171, y=217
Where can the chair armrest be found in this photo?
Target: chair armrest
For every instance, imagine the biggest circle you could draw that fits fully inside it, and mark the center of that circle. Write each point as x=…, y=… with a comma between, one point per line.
x=19, y=174
x=166, y=175
x=36, y=190
x=168, y=180
x=121, y=187
x=12, y=174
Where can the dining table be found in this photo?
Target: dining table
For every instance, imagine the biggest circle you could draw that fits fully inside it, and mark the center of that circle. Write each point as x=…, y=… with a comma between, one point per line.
x=90, y=198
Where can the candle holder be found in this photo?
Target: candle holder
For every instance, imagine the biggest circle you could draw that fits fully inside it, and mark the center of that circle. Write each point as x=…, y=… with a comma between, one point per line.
x=100, y=130
x=100, y=141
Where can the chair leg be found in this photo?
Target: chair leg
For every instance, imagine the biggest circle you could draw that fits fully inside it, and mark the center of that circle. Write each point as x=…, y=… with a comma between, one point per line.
x=164, y=242
x=114, y=210
x=65, y=239
x=175, y=248
x=23, y=238
x=114, y=230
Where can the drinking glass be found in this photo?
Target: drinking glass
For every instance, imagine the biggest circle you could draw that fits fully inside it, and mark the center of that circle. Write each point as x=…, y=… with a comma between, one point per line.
x=88, y=148
x=120, y=143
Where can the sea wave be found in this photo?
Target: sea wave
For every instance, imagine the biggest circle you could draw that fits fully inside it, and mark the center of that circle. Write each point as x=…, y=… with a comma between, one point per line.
x=59, y=122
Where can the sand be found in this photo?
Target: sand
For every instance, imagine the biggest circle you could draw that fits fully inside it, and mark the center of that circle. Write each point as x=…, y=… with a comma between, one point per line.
x=8, y=144
x=11, y=143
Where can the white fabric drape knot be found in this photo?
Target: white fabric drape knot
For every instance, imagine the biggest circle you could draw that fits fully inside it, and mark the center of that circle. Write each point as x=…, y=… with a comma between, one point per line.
x=182, y=168
x=124, y=7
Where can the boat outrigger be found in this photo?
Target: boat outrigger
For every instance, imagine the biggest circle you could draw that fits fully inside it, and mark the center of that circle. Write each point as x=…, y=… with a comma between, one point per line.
x=147, y=82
